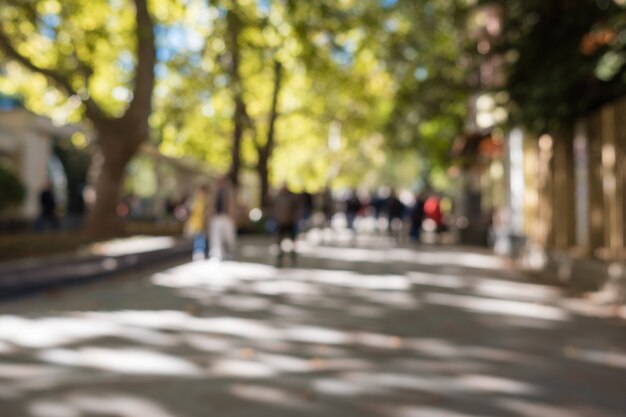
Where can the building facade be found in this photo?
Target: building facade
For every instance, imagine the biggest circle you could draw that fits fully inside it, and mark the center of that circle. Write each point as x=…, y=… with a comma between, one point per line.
x=27, y=140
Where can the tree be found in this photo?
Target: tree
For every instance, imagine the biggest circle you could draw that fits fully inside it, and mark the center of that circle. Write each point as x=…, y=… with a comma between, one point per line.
x=564, y=58
x=213, y=82
x=235, y=79
x=304, y=66
x=241, y=119
x=423, y=45
x=408, y=55
x=82, y=51
x=265, y=150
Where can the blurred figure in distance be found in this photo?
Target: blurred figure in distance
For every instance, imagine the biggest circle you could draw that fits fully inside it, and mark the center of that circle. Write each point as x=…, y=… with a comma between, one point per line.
x=328, y=206
x=353, y=206
x=307, y=205
x=395, y=212
x=47, y=205
x=432, y=211
x=197, y=224
x=222, y=208
x=417, y=218
x=286, y=211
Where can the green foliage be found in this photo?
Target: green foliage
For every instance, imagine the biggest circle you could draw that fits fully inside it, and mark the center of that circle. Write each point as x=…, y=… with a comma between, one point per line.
x=77, y=39
x=422, y=46
x=387, y=73
x=564, y=58
x=13, y=190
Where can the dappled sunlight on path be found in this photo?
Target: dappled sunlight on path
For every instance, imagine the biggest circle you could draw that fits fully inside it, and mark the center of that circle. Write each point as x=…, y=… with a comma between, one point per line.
x=365, y=331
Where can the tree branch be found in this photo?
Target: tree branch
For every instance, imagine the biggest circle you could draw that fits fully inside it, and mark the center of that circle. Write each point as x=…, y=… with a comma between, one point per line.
x=141, y=104
x=81, y=66
x=91, y=107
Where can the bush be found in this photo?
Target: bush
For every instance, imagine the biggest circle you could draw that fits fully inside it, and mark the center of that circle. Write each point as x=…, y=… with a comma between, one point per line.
x=12, y=190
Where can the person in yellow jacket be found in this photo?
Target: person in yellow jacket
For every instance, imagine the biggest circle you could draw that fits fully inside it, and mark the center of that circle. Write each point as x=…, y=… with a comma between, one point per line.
x=198, y=222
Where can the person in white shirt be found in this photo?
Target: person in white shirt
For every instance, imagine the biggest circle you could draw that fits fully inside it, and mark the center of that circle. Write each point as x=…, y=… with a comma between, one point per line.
x=223, y=232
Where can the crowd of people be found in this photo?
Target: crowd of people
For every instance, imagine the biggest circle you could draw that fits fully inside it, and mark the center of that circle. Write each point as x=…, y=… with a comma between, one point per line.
x=211, y=214
x=402, y=218
x=212, y=225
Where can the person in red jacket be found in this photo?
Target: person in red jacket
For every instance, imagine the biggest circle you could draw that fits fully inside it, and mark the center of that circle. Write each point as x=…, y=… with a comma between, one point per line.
x=432, y=211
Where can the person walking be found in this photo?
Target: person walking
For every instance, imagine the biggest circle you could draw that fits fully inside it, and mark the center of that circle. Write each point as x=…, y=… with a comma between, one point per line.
x=222, y=212
x=417, y=218
x=48, y=207
x=306, y=209
x=395, y=213
x=197, y=223
x=352, y=209
x=328, y=206
x=432, y=211
x=286, y=211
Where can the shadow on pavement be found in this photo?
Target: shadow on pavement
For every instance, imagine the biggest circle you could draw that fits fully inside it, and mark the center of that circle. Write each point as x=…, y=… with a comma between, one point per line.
x=389, y=332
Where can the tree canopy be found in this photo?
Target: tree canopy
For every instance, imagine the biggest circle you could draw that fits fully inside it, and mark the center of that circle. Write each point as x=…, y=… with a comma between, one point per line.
x=564, y=58
x=361, y=85
x=384, y=72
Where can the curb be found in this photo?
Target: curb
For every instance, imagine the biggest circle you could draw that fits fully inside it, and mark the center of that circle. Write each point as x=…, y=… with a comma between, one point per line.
x=26, y=277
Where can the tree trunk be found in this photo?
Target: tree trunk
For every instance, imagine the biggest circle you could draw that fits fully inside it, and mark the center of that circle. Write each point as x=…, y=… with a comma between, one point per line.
x=263, y=172
x=265, y=151
x=240, y=116
x=239, y=120
x=102, y=218
x=120, y=138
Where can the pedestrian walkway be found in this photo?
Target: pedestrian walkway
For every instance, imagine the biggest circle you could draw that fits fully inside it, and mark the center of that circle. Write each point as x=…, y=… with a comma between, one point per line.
x=366, y=330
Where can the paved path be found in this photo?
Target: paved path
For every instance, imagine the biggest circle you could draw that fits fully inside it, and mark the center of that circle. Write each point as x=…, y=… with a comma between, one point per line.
x=370, y=330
